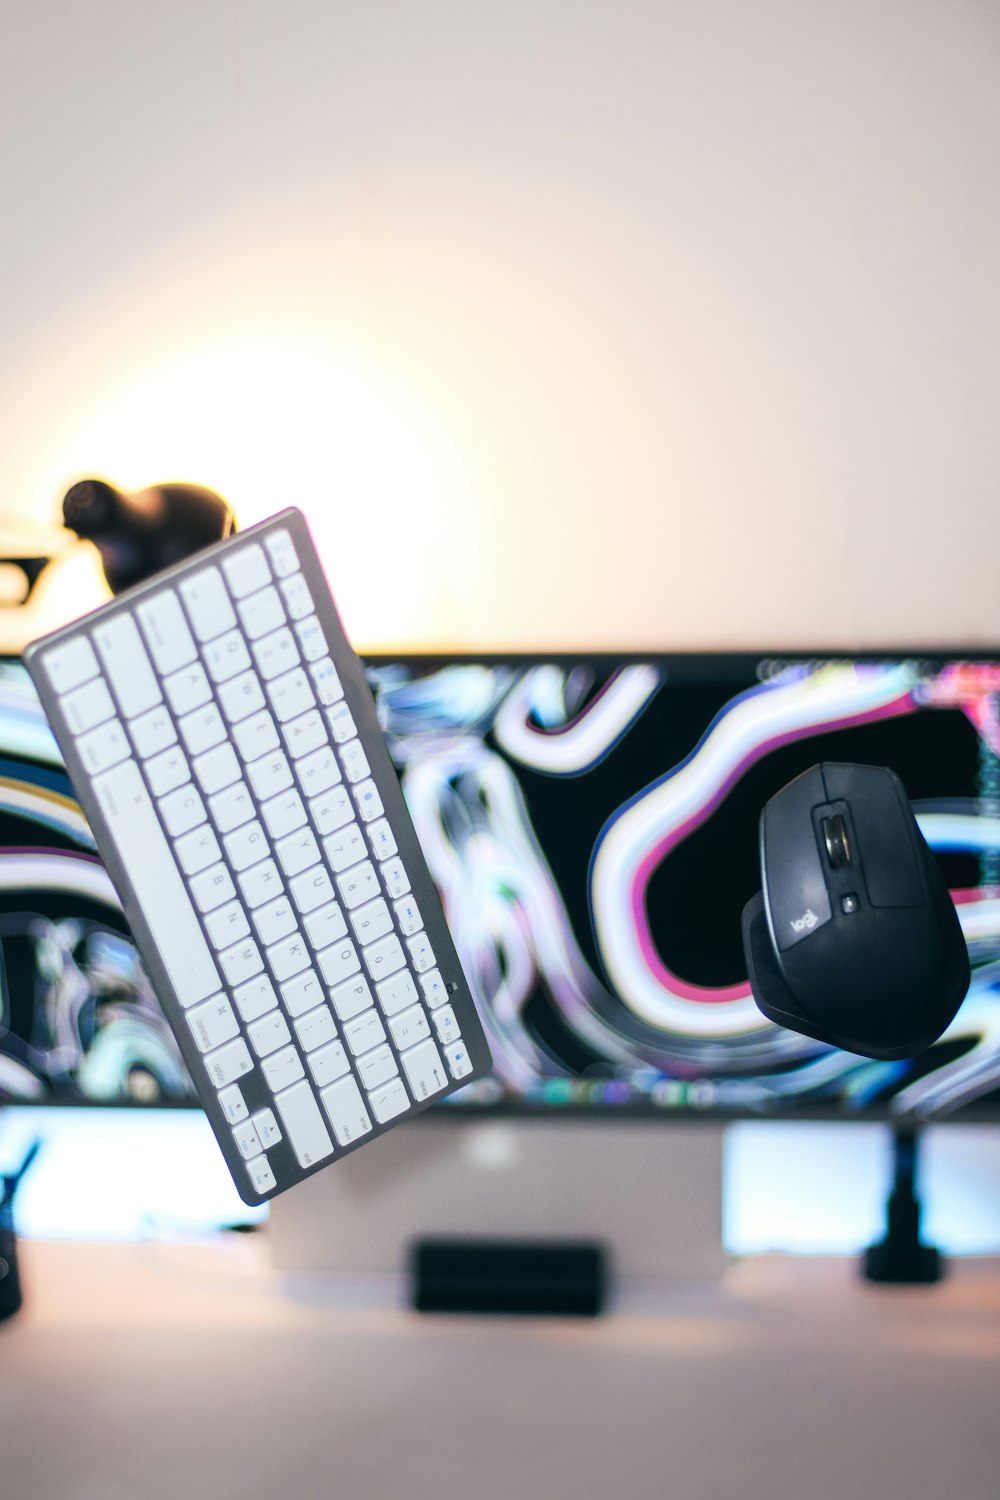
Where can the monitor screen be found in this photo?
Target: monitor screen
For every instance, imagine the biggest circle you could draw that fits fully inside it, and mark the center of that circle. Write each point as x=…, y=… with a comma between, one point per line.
x=591, y=824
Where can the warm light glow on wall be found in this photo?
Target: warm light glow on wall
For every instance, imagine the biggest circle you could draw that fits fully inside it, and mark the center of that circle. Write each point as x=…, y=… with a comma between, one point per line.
x=275, y=418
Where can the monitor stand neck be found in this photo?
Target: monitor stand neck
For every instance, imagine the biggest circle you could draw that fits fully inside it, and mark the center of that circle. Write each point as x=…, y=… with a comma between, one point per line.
x=10, y=1278
x=902, y=1257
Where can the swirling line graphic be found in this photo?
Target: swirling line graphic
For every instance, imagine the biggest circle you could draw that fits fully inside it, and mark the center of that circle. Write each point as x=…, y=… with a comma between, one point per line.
x=637, y=839
x=537, y=726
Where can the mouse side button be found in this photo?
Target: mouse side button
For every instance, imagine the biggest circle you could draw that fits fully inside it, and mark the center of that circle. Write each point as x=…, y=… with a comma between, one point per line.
x=795, y=889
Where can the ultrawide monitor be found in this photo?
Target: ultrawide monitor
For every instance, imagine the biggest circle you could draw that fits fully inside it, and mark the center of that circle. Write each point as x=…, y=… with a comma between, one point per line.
x=591, y=824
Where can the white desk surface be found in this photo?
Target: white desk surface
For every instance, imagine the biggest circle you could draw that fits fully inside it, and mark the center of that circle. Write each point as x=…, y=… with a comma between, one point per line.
x=175, y=1372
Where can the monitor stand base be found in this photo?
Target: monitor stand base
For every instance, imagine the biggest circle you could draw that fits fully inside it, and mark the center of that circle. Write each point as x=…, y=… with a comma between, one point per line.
x=648, y=1191
x=902, y=1258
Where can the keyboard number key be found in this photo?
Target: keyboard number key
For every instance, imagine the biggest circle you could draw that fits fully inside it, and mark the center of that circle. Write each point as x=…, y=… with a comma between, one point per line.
x=358, y=885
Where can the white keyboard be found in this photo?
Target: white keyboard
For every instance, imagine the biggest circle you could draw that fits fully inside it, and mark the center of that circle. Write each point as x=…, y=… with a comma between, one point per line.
x=223, y=743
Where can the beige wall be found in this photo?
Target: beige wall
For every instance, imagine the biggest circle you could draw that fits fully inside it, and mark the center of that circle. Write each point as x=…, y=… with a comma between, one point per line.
x=598, y=323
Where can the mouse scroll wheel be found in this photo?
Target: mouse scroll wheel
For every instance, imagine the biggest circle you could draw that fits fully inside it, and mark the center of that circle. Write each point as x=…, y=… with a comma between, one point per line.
x=836, y=841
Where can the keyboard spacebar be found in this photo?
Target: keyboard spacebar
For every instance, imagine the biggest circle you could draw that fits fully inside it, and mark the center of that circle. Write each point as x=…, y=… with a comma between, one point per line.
x=143, y=849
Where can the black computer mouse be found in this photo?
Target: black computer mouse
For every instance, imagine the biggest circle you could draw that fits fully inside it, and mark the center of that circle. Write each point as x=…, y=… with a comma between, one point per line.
x=854, y=938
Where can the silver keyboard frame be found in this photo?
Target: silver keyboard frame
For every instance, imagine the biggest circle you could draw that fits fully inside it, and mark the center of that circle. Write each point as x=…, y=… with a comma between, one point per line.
x=284, y=1164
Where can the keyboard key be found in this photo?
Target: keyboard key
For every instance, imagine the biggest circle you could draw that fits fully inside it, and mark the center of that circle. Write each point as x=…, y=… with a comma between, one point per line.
x=203, y=729
x=389, y=1101
x=312, y=641
x=129, y=669
x=207, y=604
x=212, y=1023
x=233, y=1104
x=395, y=876
x=241, y=696
x=421, y=952
x=167, y=771
x=338, y=962
x=269, y=1033
x=227, y=925
x=246, y=570
x=299, y=851
x=358, y=885
x=381, y=837
x=319, y=771
x=261, y=613
x=368, y=800
x=351, y=997
x=274, y=921
x=247, y=1140
x=71, y=664
x=260, y=884
x=376, y=1067
x=275, y=653
x=217, y=768
x=197, y=849
x=304, y=734
x=288, y=957
x=212, y=887
x=283, y=814
x=424, y=1070
x=90, y=705
x=166, y=630
x=270, y=775
x=397, y=992
x=302, y=992
x=101, y=748
x=182, y=810
x=326, y=681
x=256, y=736
x=229, y=1063
x=281, y=551
x=255, y=998
x=232, y=807
x=282, y=1068
x=246, y=845
x=446, y=1025
x=241, y=961
x=434, y=988
x=325, y=926
x=156, y=883
x=346, y=1111
x=227, y=657
x=354, y=761
x=267, y=1128
x=298, y=600
x=371, y=921
x=457, y=1058
x=328, y=1063
x=409, y=1027
x=304, y=1125
x=384, y=957
x=315, y=1028
x=311, y=889
x=342, y=725
x=290, y=695
x=261, y=1175
x=187, y=689
x=152, y=732
x=408, y=916
x=331, y=810
x=345, y=848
